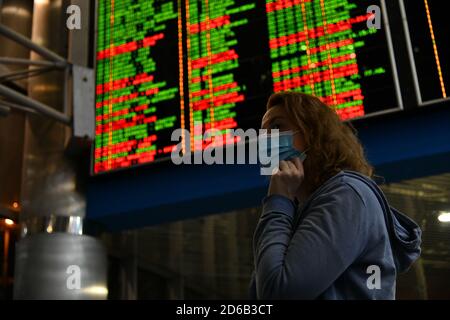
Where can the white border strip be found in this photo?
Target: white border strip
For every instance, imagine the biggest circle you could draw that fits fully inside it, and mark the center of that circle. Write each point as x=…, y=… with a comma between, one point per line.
x=391, y=55
x=412, y=62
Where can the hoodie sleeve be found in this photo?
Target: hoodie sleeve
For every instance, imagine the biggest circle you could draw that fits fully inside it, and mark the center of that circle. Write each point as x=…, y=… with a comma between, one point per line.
x=303, y=263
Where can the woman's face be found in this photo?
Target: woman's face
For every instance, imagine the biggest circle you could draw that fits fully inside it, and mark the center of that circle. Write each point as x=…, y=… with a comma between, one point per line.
x=276, y=118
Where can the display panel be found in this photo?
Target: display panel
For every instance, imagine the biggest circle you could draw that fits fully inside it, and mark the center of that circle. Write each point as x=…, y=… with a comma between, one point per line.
x=325, y=48
x=137, y=79
x=201, y=64
x=428, y=31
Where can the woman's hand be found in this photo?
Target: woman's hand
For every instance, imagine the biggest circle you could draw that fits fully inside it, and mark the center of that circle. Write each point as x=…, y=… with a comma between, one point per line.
x=287, y=180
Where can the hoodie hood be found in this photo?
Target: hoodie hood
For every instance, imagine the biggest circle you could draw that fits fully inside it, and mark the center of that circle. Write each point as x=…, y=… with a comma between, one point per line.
x=404, y=233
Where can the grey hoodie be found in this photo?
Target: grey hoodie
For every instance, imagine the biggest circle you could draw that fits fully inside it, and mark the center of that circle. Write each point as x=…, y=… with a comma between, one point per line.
x=344, y=242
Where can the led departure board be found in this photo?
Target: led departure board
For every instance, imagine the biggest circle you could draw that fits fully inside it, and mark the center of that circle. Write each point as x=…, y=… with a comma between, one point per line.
x=326, y=49
x=201, y=64
x=138, y=91
x=428, y=29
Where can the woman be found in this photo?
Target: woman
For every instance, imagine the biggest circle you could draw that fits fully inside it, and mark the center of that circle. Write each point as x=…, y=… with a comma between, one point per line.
x=326, y=230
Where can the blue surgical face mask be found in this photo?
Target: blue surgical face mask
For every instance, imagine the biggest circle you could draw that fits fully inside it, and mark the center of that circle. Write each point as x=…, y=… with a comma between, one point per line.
x=286, y=150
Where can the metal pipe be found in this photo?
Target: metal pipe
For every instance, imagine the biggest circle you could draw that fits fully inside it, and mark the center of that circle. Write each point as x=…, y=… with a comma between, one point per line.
x=23, y=73
x=9, y=60
x=44, y=52
x=4, y=110
x=10, y=105
x=36, y=105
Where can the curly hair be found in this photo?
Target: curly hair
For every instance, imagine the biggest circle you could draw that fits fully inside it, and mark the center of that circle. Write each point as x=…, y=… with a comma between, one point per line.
x=332, y=144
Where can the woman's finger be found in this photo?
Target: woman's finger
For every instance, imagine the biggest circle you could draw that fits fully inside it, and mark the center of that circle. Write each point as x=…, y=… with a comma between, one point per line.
x=291, y=165
x=297, y=162
x=284, y=166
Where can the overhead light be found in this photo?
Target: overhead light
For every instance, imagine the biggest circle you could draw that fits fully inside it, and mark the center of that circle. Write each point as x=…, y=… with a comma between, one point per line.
x=9, y=222
x=444, y=216
x=15, y=205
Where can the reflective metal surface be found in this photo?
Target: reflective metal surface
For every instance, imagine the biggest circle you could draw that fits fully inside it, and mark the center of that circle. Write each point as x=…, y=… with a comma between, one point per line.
x=52, y=253
x=52, y=224
x=17, y=15
x=50, y=266
x=49, y=178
